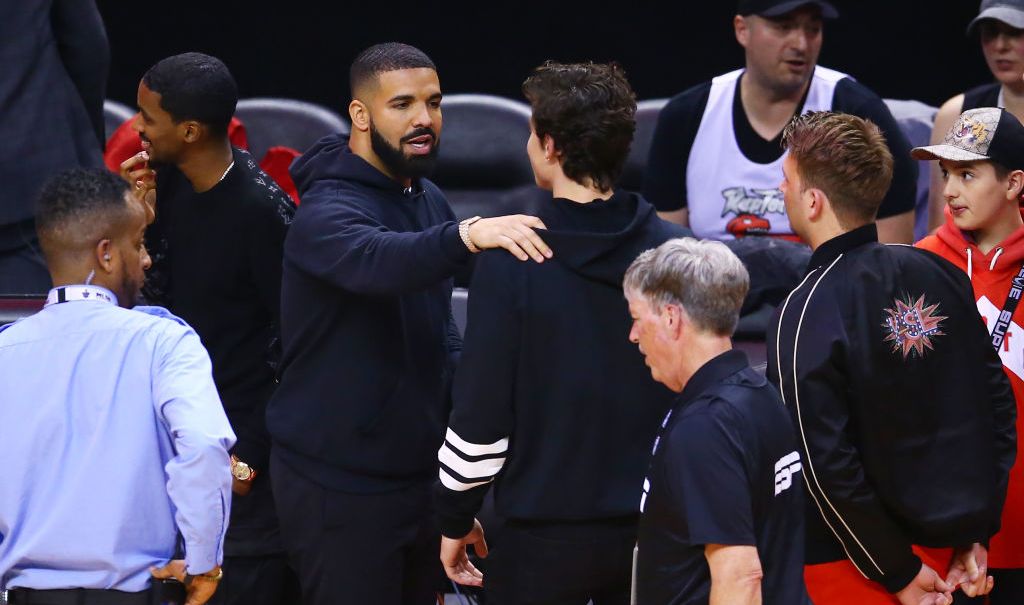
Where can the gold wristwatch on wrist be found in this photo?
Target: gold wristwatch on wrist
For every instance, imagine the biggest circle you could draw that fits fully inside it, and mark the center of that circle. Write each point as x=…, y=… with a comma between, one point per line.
x=212, y=576
x=241, y=470
x=464, y=233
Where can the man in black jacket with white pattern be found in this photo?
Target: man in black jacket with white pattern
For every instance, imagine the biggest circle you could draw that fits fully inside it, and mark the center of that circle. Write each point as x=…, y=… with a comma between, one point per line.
x=904, y=417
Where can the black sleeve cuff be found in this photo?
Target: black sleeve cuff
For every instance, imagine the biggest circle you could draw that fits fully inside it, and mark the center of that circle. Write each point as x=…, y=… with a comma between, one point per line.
x=253, y=453
x=451, y=242
x=900, y=577
x=454, y=527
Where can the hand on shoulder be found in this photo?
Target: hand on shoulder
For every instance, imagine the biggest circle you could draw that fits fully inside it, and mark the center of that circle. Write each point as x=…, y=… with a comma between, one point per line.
x=515, y=233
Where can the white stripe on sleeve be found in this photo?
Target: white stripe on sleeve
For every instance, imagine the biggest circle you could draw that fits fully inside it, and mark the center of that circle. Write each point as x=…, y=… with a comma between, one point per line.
x=481, y=469
x=476, y=449
x=455, y=485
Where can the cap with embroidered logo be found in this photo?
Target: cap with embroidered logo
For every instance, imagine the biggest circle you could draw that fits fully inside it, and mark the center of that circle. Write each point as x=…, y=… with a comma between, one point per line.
x=986, y=133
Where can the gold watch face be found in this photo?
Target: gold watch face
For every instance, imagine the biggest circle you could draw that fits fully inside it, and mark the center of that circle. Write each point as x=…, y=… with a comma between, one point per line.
x=241, y=471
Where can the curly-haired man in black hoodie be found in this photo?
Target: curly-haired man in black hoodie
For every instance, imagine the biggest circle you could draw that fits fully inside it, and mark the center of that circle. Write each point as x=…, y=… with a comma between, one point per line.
x=551, y=402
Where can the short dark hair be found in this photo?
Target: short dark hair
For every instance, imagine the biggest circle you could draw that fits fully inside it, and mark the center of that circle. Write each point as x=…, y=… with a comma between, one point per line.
x=589, y=111
x=194, y=86
x=75, y=204
x=846, y=157
x=380, y=58
x=1000, y=169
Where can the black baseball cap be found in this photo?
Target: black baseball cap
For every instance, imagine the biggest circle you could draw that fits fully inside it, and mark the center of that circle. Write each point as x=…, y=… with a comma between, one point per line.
x=777, y=8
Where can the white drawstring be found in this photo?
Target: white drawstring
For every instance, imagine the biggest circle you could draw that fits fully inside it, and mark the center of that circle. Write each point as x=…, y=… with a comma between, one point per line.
x=970, y=264
x=992, y=265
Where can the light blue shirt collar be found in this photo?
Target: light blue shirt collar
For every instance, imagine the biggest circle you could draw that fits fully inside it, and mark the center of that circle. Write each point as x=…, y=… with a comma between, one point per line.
x=79, y=292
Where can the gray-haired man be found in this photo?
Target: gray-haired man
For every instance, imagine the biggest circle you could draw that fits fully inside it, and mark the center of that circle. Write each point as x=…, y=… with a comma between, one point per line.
x=721, y=517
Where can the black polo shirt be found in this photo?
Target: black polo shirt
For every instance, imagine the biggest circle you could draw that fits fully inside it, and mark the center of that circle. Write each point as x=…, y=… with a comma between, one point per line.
x=725, y=470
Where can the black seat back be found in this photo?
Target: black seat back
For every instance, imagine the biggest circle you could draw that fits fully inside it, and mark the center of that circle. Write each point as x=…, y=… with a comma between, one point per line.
x=297, y=124
x=636, y=163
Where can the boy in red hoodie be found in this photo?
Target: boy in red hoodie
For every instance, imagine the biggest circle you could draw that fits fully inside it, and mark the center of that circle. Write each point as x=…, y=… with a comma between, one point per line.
x=982, y=166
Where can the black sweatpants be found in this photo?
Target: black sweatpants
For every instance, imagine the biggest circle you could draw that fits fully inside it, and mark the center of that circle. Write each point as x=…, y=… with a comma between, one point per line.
x=558, y=563
x=263, y=580
x=359, y=548
x=256, y=569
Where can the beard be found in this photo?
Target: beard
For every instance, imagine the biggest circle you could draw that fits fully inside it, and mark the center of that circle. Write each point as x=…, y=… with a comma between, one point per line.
x=131, y=291
x=156, y=157
x=400, y=164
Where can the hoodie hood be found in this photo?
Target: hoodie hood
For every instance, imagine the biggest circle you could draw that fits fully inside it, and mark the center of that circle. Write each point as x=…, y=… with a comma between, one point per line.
x=330, y=159
x=1006, y=257
x=600, y=239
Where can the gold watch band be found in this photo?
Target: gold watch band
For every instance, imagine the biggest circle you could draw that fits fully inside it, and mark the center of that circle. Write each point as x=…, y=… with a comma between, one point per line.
x=212, y=576
x=464, y=234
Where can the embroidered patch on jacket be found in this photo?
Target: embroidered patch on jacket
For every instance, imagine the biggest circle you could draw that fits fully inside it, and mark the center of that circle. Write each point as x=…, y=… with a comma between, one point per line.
x=912, y=326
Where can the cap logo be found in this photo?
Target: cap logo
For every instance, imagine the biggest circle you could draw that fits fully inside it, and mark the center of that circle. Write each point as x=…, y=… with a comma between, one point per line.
x=973, y=131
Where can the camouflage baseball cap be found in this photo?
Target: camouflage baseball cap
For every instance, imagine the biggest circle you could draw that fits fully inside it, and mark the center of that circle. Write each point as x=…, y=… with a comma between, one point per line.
x=986, y=133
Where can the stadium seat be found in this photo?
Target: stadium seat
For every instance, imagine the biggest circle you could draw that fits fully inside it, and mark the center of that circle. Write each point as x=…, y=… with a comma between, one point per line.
x=647, y=112
x=115, y=114
x=271, y=122
x=460, y=307
x=482, y=163
x=14, y=307
x=915, y=120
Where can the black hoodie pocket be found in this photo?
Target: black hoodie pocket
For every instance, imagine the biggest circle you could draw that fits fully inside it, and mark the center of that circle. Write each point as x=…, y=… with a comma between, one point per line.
x=372, y=417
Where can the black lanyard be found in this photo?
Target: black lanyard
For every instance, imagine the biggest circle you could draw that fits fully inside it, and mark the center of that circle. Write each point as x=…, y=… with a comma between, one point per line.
x=654, y=450
x=1003, y=320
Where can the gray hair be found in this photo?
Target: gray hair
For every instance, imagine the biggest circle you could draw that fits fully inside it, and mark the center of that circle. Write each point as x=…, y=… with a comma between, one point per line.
x=703, y=277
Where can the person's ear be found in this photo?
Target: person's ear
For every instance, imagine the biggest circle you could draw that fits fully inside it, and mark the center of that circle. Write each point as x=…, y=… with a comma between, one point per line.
x=191, y=131
x=814, y=202
x=1015, y=185
x=742, y=29
x=550, y=151
x=675, y=320
x=359, y=115
x=105, y=254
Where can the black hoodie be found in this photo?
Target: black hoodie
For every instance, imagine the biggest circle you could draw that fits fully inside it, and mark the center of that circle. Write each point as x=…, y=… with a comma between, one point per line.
x=365, y=324
x=549, y=391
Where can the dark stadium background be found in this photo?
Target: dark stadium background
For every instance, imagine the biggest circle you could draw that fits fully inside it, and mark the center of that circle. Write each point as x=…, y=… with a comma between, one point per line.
x=300, y=49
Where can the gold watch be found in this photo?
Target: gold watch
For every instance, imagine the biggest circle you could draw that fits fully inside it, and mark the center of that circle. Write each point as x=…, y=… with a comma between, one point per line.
x=464, y=233
x=212, y=576
x=241, y=470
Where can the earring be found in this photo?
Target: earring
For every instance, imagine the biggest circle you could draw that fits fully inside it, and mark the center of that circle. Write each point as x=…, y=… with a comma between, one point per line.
x=106, y=257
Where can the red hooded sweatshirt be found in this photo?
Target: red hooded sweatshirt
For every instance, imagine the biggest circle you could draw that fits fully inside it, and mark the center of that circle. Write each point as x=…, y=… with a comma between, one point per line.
x=991, y=275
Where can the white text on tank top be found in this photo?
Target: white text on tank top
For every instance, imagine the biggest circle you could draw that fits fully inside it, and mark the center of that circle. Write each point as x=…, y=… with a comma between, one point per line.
x=722, y=185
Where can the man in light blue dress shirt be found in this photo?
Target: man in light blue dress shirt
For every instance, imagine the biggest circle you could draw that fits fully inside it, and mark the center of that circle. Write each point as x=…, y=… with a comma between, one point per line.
x=114, y=440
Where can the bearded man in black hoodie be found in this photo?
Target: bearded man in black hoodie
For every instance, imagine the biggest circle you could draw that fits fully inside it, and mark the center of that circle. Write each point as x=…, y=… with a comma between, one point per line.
x=550, y=400
x=369, y=340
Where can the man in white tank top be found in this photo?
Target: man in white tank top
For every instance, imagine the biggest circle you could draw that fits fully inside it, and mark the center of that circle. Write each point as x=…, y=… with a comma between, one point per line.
x=715, y=162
